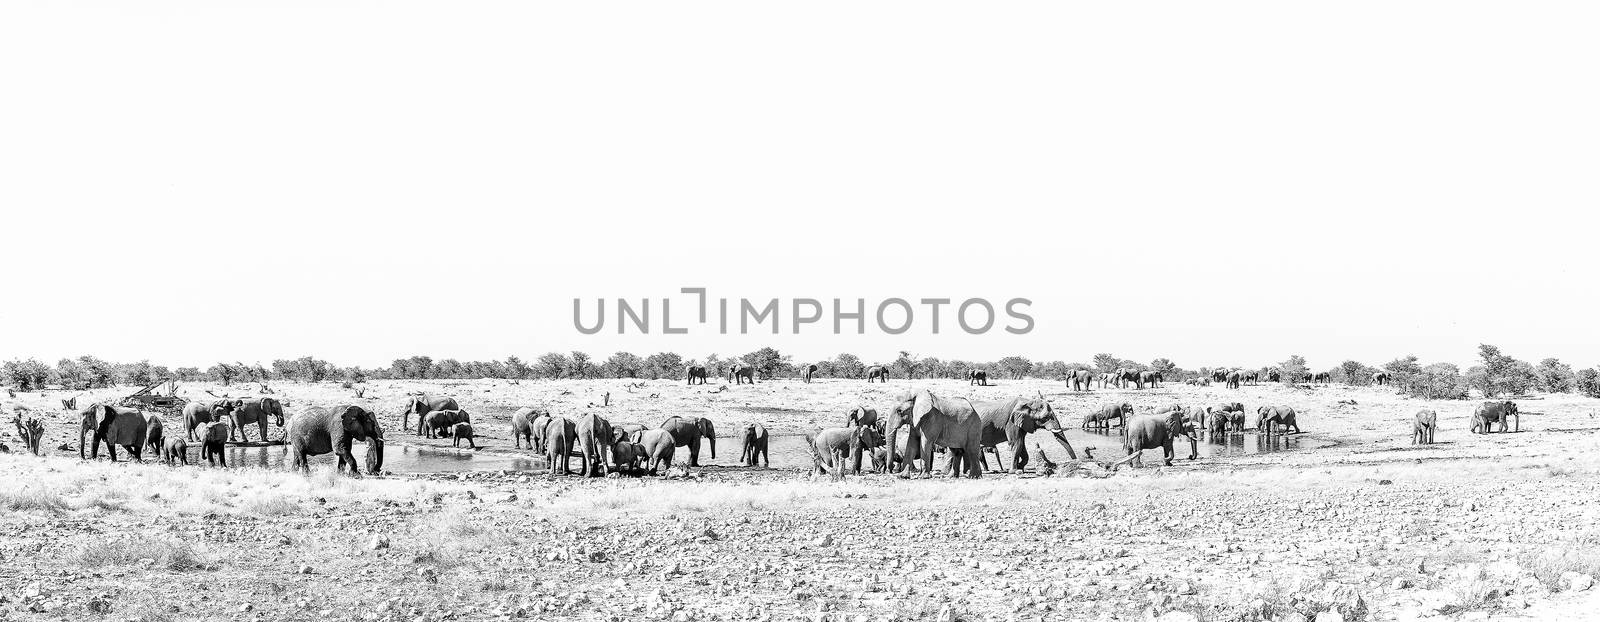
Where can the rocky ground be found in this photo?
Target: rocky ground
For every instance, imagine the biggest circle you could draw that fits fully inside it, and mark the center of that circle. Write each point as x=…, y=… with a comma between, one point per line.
x=1365, y=527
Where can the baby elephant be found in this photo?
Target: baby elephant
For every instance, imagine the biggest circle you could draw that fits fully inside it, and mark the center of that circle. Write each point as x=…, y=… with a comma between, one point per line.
x=755, y=445
x=461, y=432
x=213, y=437
x=175, y=450
x=626, y=457
x=1422, y=429
x=441, y=422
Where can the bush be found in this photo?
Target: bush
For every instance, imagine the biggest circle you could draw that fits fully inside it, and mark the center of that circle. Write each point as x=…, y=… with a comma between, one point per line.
x=26, y=375
x=1589, y=382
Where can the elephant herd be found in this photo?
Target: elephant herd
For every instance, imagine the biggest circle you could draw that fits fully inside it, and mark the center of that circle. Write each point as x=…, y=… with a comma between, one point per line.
x=604, y=448
x=213, y=424
x=1160, y=429
x=1426, y=421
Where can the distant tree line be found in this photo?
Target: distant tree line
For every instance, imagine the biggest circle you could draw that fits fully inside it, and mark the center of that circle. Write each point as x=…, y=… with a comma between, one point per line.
x=1498, y=374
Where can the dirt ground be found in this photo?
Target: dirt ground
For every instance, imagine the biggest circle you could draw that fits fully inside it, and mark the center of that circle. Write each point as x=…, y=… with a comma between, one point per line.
x=1364, y=526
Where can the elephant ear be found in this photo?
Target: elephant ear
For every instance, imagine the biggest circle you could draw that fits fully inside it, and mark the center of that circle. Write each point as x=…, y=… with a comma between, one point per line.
x=922, y=406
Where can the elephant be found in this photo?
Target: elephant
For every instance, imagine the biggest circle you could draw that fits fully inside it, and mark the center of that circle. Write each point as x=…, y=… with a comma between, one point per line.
x=1274, y=376
x=462, y=432
x=1219, y=423
x=1102, y=417
x=740, y=373
x=978, y=377
x=421, y=405
x=1219, y=375
x=112, y=425
x=807, y=371
x=626, y=457
x=697, y=372
x=1489, y=412
x=560, y=435
x=830, y=447
x=1012, y=421
x=687, y=431
x=213, y=443
x=1423, y=427
x=197, y=413
x=623, y=431
x=528, y=423
x=319, y=431
x=595, y=438
x=1156, y=431
x=440, y=421
x=935, y=421
x=658, y=447
x=1233, y=379
x=1125, y=376
x=1252, y=377
x=1152, y=378
x=878, y=372
x=175, y=450
x=1322, y=378
x=862, y=415
x=1268, y=418
x=1081, y=380
x=153, y=435
x=246, y=412
x=755, y=445
x=1380, y=378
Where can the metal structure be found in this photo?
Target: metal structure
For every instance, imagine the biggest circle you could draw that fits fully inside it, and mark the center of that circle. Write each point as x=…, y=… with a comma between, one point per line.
x=149, y=398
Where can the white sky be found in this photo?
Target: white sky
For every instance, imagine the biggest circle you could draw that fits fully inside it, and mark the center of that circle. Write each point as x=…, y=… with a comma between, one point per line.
x=1218, y=183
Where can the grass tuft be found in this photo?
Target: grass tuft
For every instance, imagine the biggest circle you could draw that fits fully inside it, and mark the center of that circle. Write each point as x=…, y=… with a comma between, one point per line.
x=165, y=553
x=33, y=499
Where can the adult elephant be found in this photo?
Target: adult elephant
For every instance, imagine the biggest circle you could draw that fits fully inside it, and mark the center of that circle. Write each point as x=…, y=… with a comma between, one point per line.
x=1322, y=377
x=833, y=449
x=1219, y=375
x=527, y=423
x=561, y=434
x=1152, y=378
x=320, y=431
x=1380, y=378
x=861, y=415
x=1219, y=423
x=1125, y=377
x=807, y=371
x=594, y=437
x=1488, y=413
x=1423, y=426
x=439, y=422
x=1234, y=378
x=740, y=373
x=1274, y=376
x=1081, y=380
x=1252, y=377
x=688, y=431
x=658, y=448
x=257, y=411
x=196, y=414
x=1101, y=417
x=935, y=421
x=420, y=405
x=697, y=372
x=877, y=372
x=978, y=377
x=1156, y=431
x=755, y=445
x=112, y=425
x=1012, y=421
x=1269, y=418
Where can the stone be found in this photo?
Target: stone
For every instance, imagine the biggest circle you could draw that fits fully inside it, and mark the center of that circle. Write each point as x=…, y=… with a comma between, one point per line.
x=378, y=542
x=304, y=570
x=1576, y=582
x=1330, y=616
x=1178, y=616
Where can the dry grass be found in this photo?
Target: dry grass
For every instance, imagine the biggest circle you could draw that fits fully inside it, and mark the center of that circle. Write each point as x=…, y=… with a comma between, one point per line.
x=165, y=553
x=33, y=500
x=1548, y=565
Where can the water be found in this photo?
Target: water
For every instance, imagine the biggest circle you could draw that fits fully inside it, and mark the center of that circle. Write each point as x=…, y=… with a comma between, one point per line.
x=786, y=451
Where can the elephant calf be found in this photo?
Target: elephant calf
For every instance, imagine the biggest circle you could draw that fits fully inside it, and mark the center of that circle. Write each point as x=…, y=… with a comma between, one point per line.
x=440, y=422
x=1422, y=428
x=627, y=457
x=461, y=432
x=829, y=447
x=213, y=437
x=175, y=450
x=755, y=445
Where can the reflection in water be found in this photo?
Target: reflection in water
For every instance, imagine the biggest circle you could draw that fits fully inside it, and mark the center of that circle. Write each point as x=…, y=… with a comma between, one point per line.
x=787, y=451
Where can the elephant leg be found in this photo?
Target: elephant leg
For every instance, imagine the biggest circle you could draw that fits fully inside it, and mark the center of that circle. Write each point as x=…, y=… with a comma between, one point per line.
x=1019, y=456
x=694, y=453
x=926, y=450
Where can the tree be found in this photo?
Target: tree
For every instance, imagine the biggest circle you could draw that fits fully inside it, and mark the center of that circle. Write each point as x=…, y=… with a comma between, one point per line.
x=1167, y=368
x=623, y=365
x=27, y=375
x=553, y=365
x=767, y=361
x=1438, y=381
x=1353, y=372
x=664, y=365
x=1402, y=371
x=1105, y=363
x=1055, y=370
x=1500, y=374
x=188, y=374
x=1015, y=367
x=1589, y=382
x=223, y=373
x=138, y=374
x=847, y=365
x=906, y=364
x=1556, y=376
x=581, y=367
x=1293, y=370
x=515, y=368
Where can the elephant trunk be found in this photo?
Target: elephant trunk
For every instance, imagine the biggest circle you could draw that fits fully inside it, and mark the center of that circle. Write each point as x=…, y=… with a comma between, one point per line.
x=1062, y=438
x=890, y=428
x=1194, y=446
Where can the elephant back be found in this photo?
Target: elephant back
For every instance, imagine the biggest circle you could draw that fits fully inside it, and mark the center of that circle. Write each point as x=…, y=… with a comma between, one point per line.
x=308, y=432
x=127, y=428
x=214, y=432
